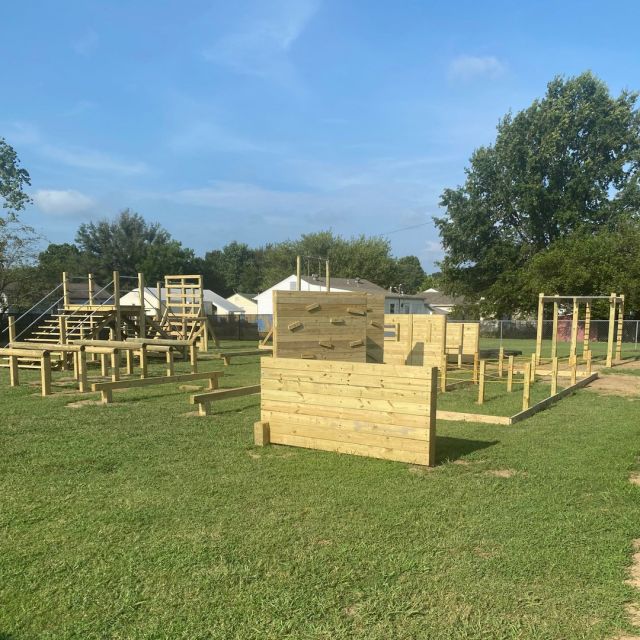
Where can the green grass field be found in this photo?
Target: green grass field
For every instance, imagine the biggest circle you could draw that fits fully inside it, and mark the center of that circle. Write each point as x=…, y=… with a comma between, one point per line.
x=138, y=521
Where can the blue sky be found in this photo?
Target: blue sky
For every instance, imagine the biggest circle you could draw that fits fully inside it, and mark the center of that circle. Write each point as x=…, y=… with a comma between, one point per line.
x=259, y=121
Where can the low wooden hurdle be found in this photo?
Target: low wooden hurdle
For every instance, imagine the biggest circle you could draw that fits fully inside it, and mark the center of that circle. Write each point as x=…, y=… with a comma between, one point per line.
x=204, y=400
x=106, y=388
x=376, y=410
x=41, y=356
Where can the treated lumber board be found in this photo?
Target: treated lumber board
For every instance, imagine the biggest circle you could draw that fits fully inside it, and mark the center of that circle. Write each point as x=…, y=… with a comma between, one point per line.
x=411, y=457
x=106, y=388
x=347, y=367
x=396, y=431
x=222, y=394
x=540, y=406
x=358, y=379
x=345, y=413
x=472, y=417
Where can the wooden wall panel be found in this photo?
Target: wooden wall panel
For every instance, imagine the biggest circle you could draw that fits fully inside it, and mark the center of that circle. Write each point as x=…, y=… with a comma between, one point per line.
x=320, y=326
x=414, y=339
x=375, y=410
x=375, y=328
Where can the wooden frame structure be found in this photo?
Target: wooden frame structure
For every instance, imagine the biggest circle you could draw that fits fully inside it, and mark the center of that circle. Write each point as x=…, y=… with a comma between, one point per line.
x=614, y=338
x=376, y=410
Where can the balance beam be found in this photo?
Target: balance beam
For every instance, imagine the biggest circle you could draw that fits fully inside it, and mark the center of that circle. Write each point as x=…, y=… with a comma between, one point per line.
x=227, y=355
x=204, y=400
x=106, y=388
x=42, y=356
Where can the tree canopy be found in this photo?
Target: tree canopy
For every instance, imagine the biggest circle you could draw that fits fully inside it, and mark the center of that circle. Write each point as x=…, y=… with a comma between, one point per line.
x=568, y=163
x=13, y=180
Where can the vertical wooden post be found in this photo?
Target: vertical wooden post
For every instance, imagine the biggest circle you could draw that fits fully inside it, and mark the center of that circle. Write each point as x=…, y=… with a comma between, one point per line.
x=81, y=359
x=501, y=362
x=554, y=330
x=588, y=360
x=116, y=301
x=143, y=361
x=65, y=289
x=539, y=327
x=328, y=277
x=298, y=273
x=612, y=322
x=261, y=434
x=90, y=285
x=45, y=373
x=554, y=376
x=574, y=367
x=14, y=375
x=193, y=357
x=459, y=356
x=129, y=361
x=533, y=368
x=115, y=365
x=475, y=369
x=483, y=367
x=573, y=350
x=510, y=374
x=620, y=328
x=12, y=328
x=443, y=373
x=76, y=364
x=62, y=322
x=587, y=328
x=159, y=308
x=142, y=319
x=104, y=366
x=526, y=392
x=170, y=362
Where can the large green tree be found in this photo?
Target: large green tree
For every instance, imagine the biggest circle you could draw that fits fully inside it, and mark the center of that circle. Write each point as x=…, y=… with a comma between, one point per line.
x=568, y=162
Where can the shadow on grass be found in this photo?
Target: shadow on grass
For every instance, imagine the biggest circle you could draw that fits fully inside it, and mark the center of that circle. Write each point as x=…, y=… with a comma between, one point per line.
x=450, y=449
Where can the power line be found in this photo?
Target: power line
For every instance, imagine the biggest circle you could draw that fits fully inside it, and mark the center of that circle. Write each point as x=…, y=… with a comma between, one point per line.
x=415, y=226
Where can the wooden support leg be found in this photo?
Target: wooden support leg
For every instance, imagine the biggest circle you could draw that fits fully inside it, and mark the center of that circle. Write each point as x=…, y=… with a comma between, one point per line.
x=226, y=360
x=45, y=373
x=193, y=355
x=620, y=329
x=213, y=383
x=14, y=375
x=533, y=367
x=104, y=365
x=612, y=322
x=115, y=366
x=574, y=367
x=501, y=362
x=143, y=361
x=83, y=383
x=588, y=360
x=475, y=368
x=106, y=396
x=443, y=373
x=261, y=434
x=554, y=376
x=130, y=365
x=510, y=374
x=483, y=367
x=526, y=392
x=539, y=328
x=204, y=408
x=169, y=362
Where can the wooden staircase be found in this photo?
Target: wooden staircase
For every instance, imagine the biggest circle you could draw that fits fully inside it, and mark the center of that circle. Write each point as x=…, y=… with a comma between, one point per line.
x=79, y=325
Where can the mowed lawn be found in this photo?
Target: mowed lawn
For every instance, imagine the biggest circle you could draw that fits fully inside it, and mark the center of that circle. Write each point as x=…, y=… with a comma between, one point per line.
x=138, y=521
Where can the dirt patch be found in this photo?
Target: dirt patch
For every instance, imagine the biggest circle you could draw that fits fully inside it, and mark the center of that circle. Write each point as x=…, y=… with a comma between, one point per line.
x=254, y=455
x=628, y=386
x=634, y=569
x=634, y=364
x=633, y=611
x=83, y=403
x=462, y=463
x=190, y=414
x=419, y=470
x=324, y=542
x=502, y=473
x=634, y=478
x=189, y=387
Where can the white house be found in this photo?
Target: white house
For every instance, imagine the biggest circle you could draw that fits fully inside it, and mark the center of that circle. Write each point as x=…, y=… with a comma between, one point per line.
x=246, y=301
x=440, y=302
x=213, y=303
x=394, y=302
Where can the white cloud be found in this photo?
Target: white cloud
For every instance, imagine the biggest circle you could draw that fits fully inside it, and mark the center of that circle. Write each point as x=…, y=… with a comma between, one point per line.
x=65, y=202
x=208, y=136
x=261, y=47
x=91, y=159
x=466, y=67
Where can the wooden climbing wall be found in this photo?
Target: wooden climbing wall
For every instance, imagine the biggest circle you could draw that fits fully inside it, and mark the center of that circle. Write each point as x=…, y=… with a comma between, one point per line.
x=375, y=410
x=414, y=339
x=465, y=335
x=375, y=328
x=320, y=326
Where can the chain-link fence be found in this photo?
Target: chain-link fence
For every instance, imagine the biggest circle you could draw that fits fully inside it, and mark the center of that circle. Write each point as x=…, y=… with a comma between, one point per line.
x=527, y=330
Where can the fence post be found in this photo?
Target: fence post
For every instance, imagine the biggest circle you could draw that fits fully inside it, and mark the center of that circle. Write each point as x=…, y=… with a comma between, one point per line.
x=526, y=391
x=500, y=362
x=510, y=374
x=14, y=372
x=483, y=366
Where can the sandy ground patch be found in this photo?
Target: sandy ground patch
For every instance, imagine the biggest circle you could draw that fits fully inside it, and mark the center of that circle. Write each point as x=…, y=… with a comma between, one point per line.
x=502, y=473
x=627, y=386
x=84, y=403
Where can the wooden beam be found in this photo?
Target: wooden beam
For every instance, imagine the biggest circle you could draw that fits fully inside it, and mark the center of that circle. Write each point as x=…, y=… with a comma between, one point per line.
x=554, y=330
x=573, y=349
x=12, y=328
x=298, y=273
x=142, y=318
x=620, y=328
x=203, y=400
x=526, y=391
x=472, y=417
x=587, y=327
x=539, y=327
x=116, y=302
x=483, y=367
x=612, y=322
x=261, y=434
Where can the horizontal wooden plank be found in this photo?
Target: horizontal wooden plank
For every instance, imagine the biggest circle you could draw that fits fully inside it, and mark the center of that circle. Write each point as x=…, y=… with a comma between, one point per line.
x=411, y=457
x=347, y=436
x=144, y=382
x=413, y=395
x=346, y=413
x=360, y=426
x=356, y=379
x=319, y=399
x=222, y=394
x=472, y=417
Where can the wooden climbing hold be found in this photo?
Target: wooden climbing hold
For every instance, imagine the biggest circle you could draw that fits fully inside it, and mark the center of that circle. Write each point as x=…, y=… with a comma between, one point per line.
x=294, y=325
x=356, y=343
x=356, y=312
x=312, y=307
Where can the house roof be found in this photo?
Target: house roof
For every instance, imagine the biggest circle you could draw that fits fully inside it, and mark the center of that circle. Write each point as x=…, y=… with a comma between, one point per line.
x=440, y=299
x=348, y=284
x=248, y=296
